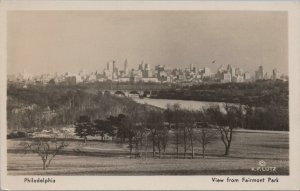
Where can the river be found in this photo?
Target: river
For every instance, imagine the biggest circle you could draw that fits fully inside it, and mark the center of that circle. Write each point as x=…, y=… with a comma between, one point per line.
x=186, y=104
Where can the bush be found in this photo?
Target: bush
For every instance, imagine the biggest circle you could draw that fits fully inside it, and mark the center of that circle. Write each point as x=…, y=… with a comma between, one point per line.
x=17, y=134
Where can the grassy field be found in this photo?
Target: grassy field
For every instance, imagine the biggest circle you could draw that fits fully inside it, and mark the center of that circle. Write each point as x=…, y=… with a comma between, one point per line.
x=107, y=158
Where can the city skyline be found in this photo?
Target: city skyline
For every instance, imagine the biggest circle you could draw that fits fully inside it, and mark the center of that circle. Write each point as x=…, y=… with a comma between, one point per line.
x=81, y=40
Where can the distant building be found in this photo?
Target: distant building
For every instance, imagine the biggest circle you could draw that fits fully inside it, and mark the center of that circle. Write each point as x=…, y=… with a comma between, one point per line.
x=108, y=74
x=124, y=79
x=247, y=77
x=206, y=72
x=136, y=79
x=78, y=78
x=238, y=71
x=266, y=76
x=259, y=74
x=237, y=79
x=109, y=66
x=147, y=73
x=192, y=68
x=284, y=78
x=226, y=77
x=150, y=79
x=159, y=68
x=231, y=70
x=70, y=80
x=274, y=75
x=137, y=73
x=221, y=69
x=111, y=72
x=126, y=67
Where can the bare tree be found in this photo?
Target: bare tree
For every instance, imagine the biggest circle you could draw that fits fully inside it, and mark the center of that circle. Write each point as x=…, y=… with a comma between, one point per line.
x=232, y=115
x=207, y=136
x=189, y=120
x=147, y=132
x=46, y=149
x=162, y=140
x=139, y=133
x=173, y=116
x=226, y=121
x=155, y=122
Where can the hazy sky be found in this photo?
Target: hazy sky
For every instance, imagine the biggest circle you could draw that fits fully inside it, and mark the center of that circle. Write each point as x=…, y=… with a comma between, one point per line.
x=60, y=41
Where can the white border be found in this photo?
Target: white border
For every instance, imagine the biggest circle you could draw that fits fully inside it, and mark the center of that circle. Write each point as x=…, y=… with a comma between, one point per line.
x=291, y=182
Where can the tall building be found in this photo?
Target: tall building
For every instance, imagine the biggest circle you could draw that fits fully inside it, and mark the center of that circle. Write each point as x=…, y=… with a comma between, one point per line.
x=247, y=76
x=147, y=66
x=110, y=66
x=259, y=74
x=126, y=67
x=266, y=76
x=191, y=67
x=221, y=69
x=274, y=75
x=25, y=75
x=232, y=71
x=206, y=72
x=141, y=66
x=226, y=77
x=110, y=71
x=147, y=71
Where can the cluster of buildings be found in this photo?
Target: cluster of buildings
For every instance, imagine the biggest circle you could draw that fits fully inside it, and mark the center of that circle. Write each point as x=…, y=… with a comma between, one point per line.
x=261, y=75
x=145, y=73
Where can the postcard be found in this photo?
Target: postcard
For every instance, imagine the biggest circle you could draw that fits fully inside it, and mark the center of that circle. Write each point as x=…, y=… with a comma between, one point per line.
x=150, y=95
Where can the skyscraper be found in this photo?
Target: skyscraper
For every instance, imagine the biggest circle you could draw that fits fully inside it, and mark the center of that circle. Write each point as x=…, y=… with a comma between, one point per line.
x=259, y=74
x=126, y=67
x=275, y=73
x=206, y=72
x=191, y=67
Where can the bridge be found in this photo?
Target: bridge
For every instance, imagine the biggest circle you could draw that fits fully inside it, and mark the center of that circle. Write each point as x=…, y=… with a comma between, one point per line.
x=129, y=93
x=132, y=90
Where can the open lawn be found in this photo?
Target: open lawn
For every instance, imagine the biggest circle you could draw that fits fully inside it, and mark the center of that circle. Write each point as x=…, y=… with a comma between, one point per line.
x=107, y=158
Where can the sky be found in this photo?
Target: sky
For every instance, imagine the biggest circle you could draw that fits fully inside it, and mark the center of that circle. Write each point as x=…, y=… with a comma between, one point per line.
x=70, y=41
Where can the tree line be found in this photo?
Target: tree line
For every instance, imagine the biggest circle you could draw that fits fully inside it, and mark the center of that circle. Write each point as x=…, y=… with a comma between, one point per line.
x=174, y=132
x=46, y=106
x=259, y=94
x=36, y=108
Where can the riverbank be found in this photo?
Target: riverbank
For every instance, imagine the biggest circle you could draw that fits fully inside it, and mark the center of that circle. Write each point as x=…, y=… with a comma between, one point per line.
x=186, y=104
x=259, y=94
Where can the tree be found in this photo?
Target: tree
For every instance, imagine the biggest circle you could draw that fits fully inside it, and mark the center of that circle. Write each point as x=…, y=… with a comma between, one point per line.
x=190, y=119
x=173, y=116
x=139, y=133
x=182, y=126
x=225, y=120
x=84, y=127
x=47, y=149
x=105, y=127
x=122, y=131
x=232, y=115
x=207, y=136
x=100, y=127
x=155, y=122
x=128, y=128
x=162, y=140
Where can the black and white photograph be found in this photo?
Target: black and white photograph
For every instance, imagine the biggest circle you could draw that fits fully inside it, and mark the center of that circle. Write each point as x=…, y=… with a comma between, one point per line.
x=148, y=93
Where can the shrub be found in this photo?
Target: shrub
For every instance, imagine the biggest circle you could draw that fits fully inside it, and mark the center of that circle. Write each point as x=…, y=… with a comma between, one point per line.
x=17, y=134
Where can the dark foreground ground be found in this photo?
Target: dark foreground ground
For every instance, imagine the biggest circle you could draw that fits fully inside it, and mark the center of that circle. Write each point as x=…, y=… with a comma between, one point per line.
x=106, y=158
